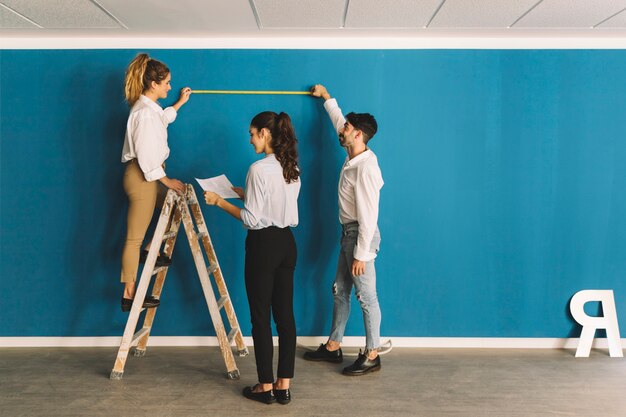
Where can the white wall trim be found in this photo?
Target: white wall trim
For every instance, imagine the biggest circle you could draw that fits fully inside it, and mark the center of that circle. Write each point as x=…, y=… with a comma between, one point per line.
x=321, y=42
x=411, y=342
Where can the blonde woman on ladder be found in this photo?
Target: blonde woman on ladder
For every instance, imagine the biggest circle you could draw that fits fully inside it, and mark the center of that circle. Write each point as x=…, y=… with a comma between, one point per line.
x=270, y=211
x=145, y=151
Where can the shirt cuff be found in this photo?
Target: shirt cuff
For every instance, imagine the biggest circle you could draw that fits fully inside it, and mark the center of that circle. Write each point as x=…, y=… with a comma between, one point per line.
x=154, y=175
x=330, y=104
x=363, y=255
x=169, y=114
x=246, y=218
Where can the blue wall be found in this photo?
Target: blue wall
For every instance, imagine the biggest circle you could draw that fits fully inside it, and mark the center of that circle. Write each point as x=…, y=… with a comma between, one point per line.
x=505, y=188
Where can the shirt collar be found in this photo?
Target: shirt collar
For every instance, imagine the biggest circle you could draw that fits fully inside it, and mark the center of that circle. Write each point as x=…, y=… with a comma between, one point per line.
x=359, y=158
x=153, y=105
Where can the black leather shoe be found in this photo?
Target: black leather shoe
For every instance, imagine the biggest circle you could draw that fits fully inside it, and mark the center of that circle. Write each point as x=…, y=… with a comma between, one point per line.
x=266, y=397
x=148, y=302
x=283, y=396
x=323, y=354
x=162, y=260
x=362, y=366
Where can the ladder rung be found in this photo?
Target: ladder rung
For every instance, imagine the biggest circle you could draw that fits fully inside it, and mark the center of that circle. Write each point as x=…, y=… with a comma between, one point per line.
x=231, y=335
x=141, y=333
x=168, y=235
x=222, y=301
x=212, y=268
x=159, y=269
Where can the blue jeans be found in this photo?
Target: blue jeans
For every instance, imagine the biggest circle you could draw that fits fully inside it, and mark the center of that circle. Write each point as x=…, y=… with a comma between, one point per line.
x=365, y=286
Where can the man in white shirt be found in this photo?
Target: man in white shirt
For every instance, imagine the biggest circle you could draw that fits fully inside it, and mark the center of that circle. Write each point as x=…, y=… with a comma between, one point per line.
x=359, y=193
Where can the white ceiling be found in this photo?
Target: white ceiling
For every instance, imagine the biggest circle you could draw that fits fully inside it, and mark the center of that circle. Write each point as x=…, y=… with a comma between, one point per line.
x=210, y=18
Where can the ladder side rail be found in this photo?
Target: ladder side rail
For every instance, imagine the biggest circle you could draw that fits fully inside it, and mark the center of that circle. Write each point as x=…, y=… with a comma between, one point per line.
x=217, y=273
x=209, y=294
x=160, y=278
x=142, y=288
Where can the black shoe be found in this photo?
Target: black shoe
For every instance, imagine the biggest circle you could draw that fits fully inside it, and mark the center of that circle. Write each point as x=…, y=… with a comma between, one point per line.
x=266, y=397
x=162, y=260
x=362, y=366
x=283, y=396
x=323, y=354
x=148, y=302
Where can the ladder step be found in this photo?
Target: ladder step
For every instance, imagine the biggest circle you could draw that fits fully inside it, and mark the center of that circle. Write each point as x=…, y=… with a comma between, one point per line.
x=159, y=269
x=141, y=333
x=168, y=235
x=231, y=335
x=223, y=300
x=212, y=268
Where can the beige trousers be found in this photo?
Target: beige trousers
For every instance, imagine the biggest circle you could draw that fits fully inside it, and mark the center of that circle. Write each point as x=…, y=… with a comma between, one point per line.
x=143, y=197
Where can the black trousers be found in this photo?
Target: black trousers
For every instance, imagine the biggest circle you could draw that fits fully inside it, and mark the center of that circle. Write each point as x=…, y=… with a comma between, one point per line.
x=270, y=263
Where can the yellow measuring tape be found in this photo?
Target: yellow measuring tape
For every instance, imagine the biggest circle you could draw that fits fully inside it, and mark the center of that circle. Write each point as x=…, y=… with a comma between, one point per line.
x=247, y=92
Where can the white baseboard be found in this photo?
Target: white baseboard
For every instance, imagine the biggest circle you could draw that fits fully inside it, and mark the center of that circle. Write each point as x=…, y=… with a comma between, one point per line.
x=408, y=342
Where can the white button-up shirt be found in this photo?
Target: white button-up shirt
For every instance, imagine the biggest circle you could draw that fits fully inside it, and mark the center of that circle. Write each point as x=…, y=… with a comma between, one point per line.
x=269, y=200
x=359, y=190
x=146, y=137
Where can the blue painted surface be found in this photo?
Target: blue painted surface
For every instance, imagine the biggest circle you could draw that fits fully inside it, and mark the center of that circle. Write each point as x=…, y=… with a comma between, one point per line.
x=505, y=185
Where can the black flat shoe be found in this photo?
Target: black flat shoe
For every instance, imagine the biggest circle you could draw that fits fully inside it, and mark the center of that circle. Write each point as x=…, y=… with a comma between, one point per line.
x=323, y=354
x=283, y=396
x=266, y=397
x=362, y=366
x=162, y=260
x=148, y=302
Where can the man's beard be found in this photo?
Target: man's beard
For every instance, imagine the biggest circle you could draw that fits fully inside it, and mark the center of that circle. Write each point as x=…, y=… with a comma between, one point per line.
x=342, y=140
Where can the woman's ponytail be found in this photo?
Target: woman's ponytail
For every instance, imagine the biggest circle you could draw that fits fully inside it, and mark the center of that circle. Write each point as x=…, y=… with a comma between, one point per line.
x=285, y=147
x=134, y=78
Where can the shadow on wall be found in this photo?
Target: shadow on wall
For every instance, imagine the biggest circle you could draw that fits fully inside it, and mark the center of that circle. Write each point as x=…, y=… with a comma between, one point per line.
x=322, y=236
x=100, y=212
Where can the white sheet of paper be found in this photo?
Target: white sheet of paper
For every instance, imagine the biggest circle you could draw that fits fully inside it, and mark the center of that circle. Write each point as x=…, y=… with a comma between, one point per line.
x=219, y=185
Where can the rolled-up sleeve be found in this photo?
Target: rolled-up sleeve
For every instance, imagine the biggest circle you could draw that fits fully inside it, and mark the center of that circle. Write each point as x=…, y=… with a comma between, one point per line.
x=367, y=193
x=150, y=153
x=169, y=115
x=253, y=202
x=335, y=114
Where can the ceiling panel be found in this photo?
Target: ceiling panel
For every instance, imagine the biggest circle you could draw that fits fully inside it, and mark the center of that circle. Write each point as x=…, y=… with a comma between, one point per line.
x=390, y=13
x=289, y=14
x=10, y=20
x=570, y=13
x=480, y=13
x=63, y=14
x=183, y=16
x=616, y=22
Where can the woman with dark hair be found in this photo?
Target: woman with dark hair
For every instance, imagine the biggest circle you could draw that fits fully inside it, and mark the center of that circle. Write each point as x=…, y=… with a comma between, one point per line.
x=145, y=151
x=270, y=210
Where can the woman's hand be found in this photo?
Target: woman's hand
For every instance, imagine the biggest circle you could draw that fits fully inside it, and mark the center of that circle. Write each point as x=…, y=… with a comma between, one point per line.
x=174, y=184
x=211, y=198
x=182, y=98
x=239, y=192
x=184, y=95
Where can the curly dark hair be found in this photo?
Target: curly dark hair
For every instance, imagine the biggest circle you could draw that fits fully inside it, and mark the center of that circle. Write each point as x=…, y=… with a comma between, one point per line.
x=284, y=142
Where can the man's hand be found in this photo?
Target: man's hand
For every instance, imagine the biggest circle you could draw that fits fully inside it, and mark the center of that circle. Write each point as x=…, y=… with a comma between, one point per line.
x=211, y=198
x=239, y=192
x=358, y=268
x=318, y=90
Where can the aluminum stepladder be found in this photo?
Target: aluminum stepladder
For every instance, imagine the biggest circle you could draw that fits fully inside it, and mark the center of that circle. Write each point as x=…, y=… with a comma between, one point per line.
x=176, y=209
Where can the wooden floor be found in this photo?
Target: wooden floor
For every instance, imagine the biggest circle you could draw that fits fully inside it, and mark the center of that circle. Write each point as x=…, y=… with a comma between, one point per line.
x=413, y=382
